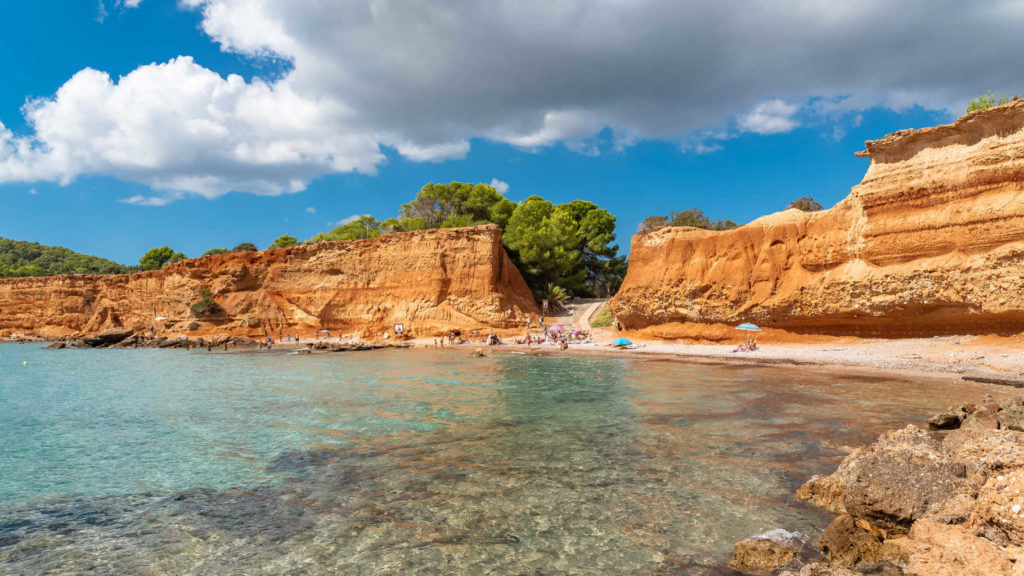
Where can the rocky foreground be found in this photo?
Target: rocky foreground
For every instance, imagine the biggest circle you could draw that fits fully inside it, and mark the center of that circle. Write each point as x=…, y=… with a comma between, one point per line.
x=948, y=501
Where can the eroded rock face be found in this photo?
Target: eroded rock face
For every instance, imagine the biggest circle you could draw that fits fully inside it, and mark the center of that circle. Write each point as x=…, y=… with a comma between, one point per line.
x=428, y=280
x=936, y=549
x=903, y=477
x=930, y=242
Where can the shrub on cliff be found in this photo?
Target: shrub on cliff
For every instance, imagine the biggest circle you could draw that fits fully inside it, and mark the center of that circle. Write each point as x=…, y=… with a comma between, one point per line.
x=284, y=241
x=20, y=259
x=989, y=100
x=206, y=306
x=807, y=204
x=157, y=258
x=694, y=217
x=215, y=251
x=245, y=247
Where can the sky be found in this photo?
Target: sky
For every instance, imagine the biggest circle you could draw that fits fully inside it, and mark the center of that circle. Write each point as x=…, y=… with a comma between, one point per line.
x=129, y=124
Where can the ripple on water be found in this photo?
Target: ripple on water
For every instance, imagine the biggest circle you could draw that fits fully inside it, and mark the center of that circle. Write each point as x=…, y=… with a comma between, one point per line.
x=413, y=462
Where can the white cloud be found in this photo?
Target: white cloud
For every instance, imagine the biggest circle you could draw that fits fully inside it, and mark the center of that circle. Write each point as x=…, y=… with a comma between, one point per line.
x=101, y=11
x=130, y=3
x=770, y=117
x=499, y=185
x=32, y=192
x=426, y=78
x=310, y=210
x=140, y=200
x=348, y=220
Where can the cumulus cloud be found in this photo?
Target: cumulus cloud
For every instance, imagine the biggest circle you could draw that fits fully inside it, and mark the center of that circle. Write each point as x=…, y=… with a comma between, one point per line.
x=771, y=117
x=499, y=185
x=348, y=220
x=426, y=78
x=310, y=210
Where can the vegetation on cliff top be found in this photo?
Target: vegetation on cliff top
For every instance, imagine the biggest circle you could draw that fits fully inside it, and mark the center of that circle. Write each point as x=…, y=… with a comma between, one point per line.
x=807, y=204
x=20, y=259
x=693, y=217
x=157, y=258
x=568, y=245
x=989, y=100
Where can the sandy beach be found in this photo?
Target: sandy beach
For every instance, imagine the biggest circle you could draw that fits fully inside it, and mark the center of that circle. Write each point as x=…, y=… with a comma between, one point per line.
x=998, y=360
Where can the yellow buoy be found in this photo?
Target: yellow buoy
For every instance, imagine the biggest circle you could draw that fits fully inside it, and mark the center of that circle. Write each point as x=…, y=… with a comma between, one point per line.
x=25, y=363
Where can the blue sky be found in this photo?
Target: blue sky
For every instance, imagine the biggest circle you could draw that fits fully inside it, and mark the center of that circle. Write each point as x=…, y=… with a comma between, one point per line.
x=734, y=137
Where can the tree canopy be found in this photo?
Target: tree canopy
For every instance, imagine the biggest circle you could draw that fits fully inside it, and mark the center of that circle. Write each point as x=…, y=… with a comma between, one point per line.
x=19, y=259
x=245, y=247
x=215, y=251
x=284, y=241
x=567, y=245
x=807, y=204
x=157, y=258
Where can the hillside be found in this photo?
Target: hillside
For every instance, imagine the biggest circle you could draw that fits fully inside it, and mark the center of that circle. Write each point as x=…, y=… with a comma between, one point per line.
x=20, y=259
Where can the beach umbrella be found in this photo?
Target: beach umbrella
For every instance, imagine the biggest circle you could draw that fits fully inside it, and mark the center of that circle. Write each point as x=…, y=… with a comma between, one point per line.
x=748, y=327
x=328, y=331
x=621, y=342
x=557, y=327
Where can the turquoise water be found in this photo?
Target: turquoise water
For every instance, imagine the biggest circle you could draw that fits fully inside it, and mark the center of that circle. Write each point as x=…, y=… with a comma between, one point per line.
x=415, y=462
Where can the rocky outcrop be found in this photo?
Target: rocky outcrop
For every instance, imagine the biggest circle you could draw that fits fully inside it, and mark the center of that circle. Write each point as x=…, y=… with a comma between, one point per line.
x=930, y=242
x=429, y=281
x=930, y=505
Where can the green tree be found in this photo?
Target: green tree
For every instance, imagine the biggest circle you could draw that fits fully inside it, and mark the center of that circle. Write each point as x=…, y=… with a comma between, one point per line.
x=989, y=100
x=807, y=204
x=215, y=251
x=245, y=247
x=545, y=245
x=157, y=258
x=284, y=241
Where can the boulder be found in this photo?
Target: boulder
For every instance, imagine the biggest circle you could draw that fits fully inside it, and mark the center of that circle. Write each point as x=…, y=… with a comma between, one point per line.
x=981, y=419
x=766, y=552
x=901, y=478
x=56, y=346
x=935, y=549
x=999, y=510
x=1011, y=415
x=845, y=543
x=108, y=337
x=948, y=420
x=827, y=491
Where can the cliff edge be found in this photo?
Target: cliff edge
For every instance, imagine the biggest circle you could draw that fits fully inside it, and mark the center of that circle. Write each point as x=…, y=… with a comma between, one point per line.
x=430, y=280
x=930, y=242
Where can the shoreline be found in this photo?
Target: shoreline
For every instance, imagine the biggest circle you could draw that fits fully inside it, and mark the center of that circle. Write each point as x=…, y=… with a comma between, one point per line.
x=985, y=359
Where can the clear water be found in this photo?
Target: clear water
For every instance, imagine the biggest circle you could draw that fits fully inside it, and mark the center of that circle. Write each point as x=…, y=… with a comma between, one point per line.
x=415, y=462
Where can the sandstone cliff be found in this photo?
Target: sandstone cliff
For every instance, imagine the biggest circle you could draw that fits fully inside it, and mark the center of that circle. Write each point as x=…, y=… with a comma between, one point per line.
x=429, y=281
x=930, y=242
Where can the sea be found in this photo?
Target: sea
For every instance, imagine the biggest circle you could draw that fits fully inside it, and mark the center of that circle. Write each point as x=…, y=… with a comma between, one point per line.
x=152, y=462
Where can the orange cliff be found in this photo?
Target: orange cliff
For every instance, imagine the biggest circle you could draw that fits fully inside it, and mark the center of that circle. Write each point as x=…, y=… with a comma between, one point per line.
x=931, y=242
x=429, y=281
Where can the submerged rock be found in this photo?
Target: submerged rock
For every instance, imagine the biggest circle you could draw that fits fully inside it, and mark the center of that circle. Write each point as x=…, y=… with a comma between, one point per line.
x=820, y=569
x=766, y=552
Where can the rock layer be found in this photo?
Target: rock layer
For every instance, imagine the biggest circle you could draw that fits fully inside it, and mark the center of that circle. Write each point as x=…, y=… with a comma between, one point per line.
x=930, y=242
x=429, y=281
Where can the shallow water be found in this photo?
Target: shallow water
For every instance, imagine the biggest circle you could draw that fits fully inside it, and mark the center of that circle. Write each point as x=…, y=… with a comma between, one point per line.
x=414, y=462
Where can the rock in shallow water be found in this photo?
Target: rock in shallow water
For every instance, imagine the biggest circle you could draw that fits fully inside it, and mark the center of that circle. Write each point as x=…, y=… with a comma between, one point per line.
x=766, y=552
